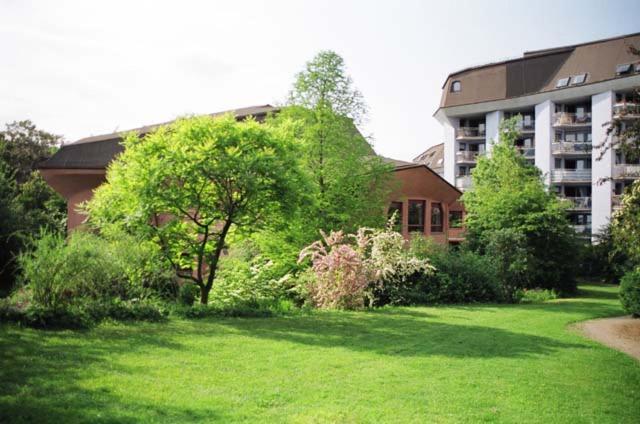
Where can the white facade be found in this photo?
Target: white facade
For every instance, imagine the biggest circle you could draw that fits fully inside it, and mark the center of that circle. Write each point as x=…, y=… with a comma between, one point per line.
x=569, y=124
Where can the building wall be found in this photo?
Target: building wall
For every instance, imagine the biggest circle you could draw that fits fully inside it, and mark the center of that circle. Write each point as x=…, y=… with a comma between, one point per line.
x=449, y=127
x=544, y=138
x=601, y=168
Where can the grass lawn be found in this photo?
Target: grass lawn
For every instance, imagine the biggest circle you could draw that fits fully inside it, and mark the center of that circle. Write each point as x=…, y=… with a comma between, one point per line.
x=486, y=363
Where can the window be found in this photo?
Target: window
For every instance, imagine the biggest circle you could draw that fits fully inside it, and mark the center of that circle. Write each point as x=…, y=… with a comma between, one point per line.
x=637, y=67
x=562, y=82
x=462, y=147
x=436, y=217
x=578, y=79
x=623, y=68
x=416, y=216
x=558, y=163
x=456, y=86
x=455, y=219
x=396, y=208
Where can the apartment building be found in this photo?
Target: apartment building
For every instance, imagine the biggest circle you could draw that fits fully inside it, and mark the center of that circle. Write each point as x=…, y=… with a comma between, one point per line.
x=565, y=98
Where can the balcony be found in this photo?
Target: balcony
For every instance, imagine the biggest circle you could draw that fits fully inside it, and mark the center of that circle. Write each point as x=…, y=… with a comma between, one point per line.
x=583, y=229
x=570, y=175
x=470, y=133
x=616, y=201
x=626, y=111
x=463, y=182
x=570, y=148
x=468, y=156
x=565, y=119
x=626, y=171
x=579, y=203
x=527, y=152
x=526, y=126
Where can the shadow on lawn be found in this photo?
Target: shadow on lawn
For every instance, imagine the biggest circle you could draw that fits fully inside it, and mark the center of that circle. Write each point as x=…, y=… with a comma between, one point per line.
x=399, y=334
x=39, y=377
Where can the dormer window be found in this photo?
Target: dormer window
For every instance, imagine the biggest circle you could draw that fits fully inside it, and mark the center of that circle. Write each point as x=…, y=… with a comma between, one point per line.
x=578, y=79
x=562, y=82
x=456, y=86
x=623, y=68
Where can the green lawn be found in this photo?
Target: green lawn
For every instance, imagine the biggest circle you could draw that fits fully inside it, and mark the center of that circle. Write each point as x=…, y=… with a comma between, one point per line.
x=513, y=363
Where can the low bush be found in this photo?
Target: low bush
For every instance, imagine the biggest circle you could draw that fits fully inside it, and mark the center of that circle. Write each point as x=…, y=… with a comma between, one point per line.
x=187, y=294
x=630, y=292
x=535, y=295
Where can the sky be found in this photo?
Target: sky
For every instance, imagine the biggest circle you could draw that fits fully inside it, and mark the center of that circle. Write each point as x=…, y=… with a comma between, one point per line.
x=81, y=68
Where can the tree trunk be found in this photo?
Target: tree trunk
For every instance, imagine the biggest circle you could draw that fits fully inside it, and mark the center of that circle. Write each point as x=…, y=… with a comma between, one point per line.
x=204, y=295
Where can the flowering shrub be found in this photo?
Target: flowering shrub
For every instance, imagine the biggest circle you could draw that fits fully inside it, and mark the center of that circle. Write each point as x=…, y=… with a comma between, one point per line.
x=341, y=274
x=376, y=265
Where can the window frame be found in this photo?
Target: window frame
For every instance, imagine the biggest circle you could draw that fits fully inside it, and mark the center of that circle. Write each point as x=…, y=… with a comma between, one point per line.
x=416, y=228
x=456, y=86
x=437, y=227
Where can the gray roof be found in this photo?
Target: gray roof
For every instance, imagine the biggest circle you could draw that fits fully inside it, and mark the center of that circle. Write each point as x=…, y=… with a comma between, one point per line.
x=433, y=157
x=96, y=152
x=394, y=162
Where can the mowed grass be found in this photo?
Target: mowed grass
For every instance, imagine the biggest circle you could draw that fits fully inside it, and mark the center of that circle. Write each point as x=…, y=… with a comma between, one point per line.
x=486, y=363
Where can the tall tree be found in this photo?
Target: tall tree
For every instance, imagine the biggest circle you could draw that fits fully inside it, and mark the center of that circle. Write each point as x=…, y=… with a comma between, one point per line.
x=351, y=183
x=189, y=184
x=509, y=203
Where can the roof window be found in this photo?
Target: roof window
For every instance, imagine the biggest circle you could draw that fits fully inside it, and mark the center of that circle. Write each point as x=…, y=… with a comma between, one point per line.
x=578, y=79
x=456, y=86
x=562, y=82
x=623, y=68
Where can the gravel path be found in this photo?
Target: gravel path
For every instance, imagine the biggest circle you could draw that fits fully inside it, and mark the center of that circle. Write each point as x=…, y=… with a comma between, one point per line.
x=621, y=333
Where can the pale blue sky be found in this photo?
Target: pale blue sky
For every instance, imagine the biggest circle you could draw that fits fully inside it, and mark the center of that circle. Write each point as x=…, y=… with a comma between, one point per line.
x=83, y=68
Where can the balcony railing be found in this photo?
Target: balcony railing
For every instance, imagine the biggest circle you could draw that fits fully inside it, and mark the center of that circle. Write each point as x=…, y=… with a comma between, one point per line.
x=616, y=201
x=467, y=156
x=470, y=132
x=626, y=110
x=559, y=147
x=526, y=126
x=583, y=229
x=527, y=152
x=579, y=202
x=463, y=181
x=564, y=119
x=569, y=175
x=626, y=171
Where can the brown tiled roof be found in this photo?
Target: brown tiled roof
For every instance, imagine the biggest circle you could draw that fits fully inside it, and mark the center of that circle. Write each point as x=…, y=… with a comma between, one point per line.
x=433, y=157
x=96, y=152
x=537, y=71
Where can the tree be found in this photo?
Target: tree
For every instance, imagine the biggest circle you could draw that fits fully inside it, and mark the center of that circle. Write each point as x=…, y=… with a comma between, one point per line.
x=25, y=146
x=626, y=225
x=189, y=184
x=350, y=183
x=509, y=201
x=27, y=203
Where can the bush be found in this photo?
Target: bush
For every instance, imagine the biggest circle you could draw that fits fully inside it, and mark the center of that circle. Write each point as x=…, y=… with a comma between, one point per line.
x=630, y=292
x=535, y=295
x=187, y=294
x=62, y=273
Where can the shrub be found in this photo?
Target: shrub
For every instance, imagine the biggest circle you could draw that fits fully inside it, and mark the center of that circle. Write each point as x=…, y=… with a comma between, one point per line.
x=187, y=294
x=341, y=275
x=535, y=295
x=61, y=273
x=630, y=292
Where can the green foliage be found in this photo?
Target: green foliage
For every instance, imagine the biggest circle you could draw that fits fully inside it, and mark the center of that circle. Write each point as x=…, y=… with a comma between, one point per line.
x=85, y=268
x=509, y=203
x=535, y=295
x=350, y=184
x=27, y=203
x=626, y=225
x=187, y=185
x=607, y=257
x=188, y=294
x=630, y=292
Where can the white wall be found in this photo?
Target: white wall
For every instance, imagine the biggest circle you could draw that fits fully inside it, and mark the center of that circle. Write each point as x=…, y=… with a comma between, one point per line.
x=544, y=138
x=492, y=122
x=601, y=112
x=450, y=148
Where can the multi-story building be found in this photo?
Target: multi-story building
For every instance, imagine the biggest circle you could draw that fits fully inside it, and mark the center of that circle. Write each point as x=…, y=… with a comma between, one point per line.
x=566, y=97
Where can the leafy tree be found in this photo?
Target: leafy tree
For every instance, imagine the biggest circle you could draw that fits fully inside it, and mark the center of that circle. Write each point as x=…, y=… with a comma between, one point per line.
x=27, y=203
x=350, y=183
x=189, y=184
x=509, y=201
x=626, y=225
x=25, y=146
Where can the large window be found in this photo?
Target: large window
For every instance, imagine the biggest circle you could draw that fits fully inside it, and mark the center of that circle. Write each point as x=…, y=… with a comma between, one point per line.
x=416, y=216
x=396, y=208
x=436, y=217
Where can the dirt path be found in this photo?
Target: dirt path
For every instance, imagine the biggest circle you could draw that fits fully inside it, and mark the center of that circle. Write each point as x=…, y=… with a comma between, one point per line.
x=621, y=333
